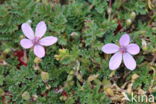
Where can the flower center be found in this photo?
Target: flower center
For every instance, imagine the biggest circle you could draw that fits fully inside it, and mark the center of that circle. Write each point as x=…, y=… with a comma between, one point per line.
x=36, y=40
x=123, y=50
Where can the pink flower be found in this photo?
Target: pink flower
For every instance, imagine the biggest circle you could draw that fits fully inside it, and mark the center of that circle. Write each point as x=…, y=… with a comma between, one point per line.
x=35, y=40
x=125, y=51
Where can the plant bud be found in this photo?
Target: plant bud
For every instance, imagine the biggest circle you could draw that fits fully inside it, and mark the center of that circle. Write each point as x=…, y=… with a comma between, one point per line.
x=73, y=34
x=133, y=15
x=63, y=51
x=29, y=22
x=63, y=98
x=21, y=37
x=35, y=97
x=57, y=57
x=109, y=10
x=128, y=22
x=6, y=51
x=1, y=92
x=26, y=96
x=37, y=60
x=45, y=76
x=48, y=87
x=144, y=45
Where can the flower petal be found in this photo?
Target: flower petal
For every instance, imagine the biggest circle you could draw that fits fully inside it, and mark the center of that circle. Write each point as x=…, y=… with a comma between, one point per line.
x=124, y=40
x=129, y=61
x=39, y=51
x=133, y=49
x=26, y=43
x=27, y=30
x=47, y=41
x=40, y=29
x=115, y=61
x=110, y=48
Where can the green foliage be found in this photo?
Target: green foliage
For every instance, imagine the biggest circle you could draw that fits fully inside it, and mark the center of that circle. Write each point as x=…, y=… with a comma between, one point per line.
x=82, y=28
